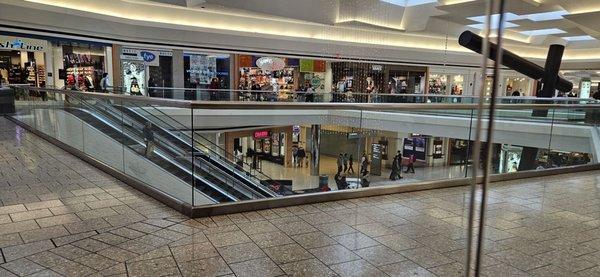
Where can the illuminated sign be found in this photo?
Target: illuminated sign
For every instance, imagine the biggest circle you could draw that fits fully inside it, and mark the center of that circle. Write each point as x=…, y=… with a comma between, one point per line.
x=262, y=134
x=23, y=44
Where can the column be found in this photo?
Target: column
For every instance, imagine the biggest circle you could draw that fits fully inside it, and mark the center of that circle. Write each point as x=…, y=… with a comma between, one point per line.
x=315, y=133
x=178, y=75
x=117, y=75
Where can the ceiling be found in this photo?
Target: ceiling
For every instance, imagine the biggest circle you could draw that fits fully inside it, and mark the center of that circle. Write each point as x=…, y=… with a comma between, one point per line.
x=531, y=22
x=426, y=25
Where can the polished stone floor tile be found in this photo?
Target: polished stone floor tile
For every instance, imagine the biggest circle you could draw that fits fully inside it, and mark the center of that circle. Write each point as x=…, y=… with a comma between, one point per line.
x=287, y=253
x=259, y=267
x=306, y=268
x=61, y=217
x=334, y=254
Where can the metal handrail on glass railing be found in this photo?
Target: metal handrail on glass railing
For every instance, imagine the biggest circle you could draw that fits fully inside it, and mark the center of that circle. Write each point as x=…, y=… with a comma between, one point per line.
x=170, y=128
x=256, y=174
x=163, y=143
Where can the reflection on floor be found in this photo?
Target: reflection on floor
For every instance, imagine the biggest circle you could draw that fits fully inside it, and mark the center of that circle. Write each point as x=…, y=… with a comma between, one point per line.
x=61, y=217
x=301, y=178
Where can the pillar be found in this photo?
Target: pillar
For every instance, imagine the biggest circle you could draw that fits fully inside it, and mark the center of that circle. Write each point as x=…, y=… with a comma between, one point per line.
x=117, y=75
x=315, y=133
x=178, y=76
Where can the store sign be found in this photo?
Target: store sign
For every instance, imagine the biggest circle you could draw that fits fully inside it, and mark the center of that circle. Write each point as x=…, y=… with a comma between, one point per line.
x=149, y=57
x=377, y=67
x=262, y=134
x=270, y=63
x=25, y=44
x=296, y=129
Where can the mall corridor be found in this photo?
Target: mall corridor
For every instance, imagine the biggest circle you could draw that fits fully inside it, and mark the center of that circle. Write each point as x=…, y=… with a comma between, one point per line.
x=60, y=216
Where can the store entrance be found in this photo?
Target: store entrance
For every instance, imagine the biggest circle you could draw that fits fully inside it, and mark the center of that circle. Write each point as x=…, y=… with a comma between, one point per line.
x=21, y=67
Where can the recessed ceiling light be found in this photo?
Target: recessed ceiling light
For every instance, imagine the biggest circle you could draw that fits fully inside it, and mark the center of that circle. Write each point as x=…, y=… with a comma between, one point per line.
x=579, y=38
x=495, y=17
x=542, y=32
x=409, y=3
x=545, y=16
x=494, y=25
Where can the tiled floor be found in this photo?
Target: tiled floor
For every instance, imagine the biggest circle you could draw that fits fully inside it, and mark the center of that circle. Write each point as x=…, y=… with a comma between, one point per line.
x=59, y=216
x=301, y=178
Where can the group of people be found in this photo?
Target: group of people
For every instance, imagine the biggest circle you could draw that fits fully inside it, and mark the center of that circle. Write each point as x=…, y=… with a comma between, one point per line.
x=345, y=163
x=83, y=83
x=397, y=166
x=298, y=156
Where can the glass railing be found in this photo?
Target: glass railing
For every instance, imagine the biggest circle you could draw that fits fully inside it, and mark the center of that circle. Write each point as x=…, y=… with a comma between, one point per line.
x=205, y=152
x=204, y=94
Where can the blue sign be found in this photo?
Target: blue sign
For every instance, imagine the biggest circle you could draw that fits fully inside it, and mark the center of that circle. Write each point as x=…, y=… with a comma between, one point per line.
x=147, y=56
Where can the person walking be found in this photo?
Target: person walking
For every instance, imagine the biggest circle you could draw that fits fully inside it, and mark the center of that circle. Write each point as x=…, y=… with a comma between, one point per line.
x=104, y=83
x=301, y=155
x=149, y=139
x=340, y=163
x=351, y=164
x=396, y=167
x=411, y=164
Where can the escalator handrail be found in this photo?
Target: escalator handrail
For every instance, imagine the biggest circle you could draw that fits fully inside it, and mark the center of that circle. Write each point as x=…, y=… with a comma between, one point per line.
x=165, y=143
x=230, y=163
x=170, y=160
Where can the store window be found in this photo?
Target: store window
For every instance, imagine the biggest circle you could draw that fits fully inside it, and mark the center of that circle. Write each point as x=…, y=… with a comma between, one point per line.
x=518, y=86
x=22, y=60
x=145, y=72
x=83, y=65
x=446, y=84
x=202, y=70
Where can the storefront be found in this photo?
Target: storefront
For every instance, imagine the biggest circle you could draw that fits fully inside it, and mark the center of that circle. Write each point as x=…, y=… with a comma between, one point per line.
x=276, y=74
x=144, y=71
x=81, y=61
x=446, y=84
x=23, y=60
x=203, y=69
x=269, y=144
x=518, y=86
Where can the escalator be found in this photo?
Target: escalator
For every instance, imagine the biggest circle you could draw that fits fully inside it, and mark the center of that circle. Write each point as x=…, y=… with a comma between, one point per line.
x=180, y=152
x=220, y=162
x=135, y=143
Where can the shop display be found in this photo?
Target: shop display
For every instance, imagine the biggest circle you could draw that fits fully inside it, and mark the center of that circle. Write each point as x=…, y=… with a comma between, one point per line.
x=84, y=59
x=134, y=77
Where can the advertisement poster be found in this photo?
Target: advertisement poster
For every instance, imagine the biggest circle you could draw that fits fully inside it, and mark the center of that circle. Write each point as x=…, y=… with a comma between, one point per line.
x=376, y=159
x=202, y=68
x=134, y=77
x=416, y=146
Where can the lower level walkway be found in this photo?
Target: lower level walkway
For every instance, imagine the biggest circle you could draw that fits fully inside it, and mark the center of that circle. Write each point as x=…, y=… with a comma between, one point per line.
x=59, y=216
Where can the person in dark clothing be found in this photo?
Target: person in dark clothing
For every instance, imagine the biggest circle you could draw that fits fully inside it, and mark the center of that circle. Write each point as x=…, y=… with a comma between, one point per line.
x=149, y=139
x=396, y=167
x=516, y=93
x=411, y=164
x=596, y=95
x=351, y=164
x=345, y=162
x=340, y=181
x=301, y=155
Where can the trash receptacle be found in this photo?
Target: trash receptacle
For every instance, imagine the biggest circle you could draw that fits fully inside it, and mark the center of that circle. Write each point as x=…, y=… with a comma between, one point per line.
x=323, y=181
x=7, y=100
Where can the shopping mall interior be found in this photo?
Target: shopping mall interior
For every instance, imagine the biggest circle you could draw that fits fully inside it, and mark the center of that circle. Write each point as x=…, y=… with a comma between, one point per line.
x=299, y=138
